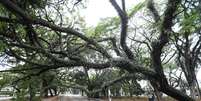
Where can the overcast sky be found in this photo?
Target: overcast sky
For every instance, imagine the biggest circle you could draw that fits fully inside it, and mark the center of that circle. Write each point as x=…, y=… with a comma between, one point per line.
x=97, y=9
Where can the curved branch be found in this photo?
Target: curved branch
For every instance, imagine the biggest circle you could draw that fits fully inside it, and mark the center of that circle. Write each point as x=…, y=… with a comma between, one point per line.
x=29, y=20
x=14, y=8
x=161, y=81
x=124, y=25
x=116, y=62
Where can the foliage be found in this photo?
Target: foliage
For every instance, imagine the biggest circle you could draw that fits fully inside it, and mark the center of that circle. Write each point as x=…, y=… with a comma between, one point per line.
x=52, y=48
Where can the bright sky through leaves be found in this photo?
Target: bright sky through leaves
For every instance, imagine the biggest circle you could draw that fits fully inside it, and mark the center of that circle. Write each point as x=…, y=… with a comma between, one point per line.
x=97, y=9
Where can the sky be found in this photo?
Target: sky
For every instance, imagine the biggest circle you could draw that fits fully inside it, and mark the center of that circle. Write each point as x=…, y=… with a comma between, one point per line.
x=98, y=9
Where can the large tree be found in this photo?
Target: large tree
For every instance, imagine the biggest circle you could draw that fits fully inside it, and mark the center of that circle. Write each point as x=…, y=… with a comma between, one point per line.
x=33, y=33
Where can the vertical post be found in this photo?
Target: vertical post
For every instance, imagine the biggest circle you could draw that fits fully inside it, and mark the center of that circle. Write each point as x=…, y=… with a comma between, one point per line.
x=109, y=93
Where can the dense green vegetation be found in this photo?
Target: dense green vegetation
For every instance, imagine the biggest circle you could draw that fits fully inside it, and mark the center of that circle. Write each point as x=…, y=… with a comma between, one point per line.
x=50, y=50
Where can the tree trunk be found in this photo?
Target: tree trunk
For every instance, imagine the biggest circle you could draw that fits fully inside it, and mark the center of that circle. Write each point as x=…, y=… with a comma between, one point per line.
x=176, y=94
x=194, y=90
x=198, y=90
x=31, y=93
x=160, y=81
x=44, y=89
x=158, y=95
x=50, y=90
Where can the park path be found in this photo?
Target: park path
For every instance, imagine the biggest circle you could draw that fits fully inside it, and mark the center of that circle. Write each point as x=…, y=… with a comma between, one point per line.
x=71, y=98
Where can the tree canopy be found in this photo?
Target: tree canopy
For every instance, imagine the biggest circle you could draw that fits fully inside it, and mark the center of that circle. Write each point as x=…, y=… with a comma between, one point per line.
x=48, y=41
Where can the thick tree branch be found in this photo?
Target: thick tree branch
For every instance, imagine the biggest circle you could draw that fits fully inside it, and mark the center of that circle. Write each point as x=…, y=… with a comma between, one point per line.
x=152, y=8
x=14, y=8
x=124, y=25
x=29, y=20
x=132, y=67
x=157, y=46
x=116, y=62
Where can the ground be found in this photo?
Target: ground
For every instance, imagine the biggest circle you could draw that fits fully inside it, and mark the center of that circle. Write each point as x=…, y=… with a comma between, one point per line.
x=69, y=98
x=79, y=98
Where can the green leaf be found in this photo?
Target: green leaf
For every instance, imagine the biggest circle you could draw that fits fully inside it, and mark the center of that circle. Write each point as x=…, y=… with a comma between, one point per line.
x=136, y=8
x=191, y=22
x=2, y=46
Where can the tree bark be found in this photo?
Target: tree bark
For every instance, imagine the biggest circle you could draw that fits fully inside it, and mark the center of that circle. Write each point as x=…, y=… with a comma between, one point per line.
x=176, y=94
